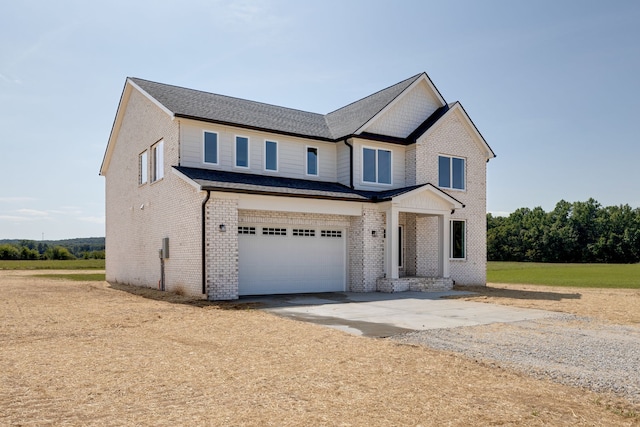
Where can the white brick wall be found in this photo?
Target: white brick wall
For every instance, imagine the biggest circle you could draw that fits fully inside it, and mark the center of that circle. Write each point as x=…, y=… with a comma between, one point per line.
x=450, y=136
x=366, y=251
x=222, y=248
x=138, y=217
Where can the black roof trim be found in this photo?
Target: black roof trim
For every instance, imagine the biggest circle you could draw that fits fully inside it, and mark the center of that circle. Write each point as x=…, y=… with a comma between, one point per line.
x=236, y=182
x=431, y=120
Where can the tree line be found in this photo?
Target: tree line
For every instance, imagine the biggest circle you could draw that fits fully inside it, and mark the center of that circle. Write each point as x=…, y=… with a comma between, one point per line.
x=578, y=232
x=84, y=248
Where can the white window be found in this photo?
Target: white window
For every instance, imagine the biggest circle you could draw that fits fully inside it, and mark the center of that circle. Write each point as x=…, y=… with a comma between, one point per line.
x=143, y=166
x=451, y=173
x=376, y=165
x=312, y=161
x=242, y=151
x=270, y=155
x=157, y=170
x=210, y=148
x=458, y=246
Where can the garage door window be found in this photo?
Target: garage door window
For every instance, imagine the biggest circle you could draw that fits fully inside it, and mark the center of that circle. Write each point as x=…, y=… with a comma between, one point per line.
x=268, y=231
x=246, y=230
x=330, y=233
x=301, y=232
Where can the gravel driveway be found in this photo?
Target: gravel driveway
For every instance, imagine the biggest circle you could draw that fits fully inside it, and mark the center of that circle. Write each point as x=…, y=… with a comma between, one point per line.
x=577, y=351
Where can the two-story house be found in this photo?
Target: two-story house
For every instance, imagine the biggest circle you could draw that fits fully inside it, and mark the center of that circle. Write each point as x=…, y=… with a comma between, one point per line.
x=222, y=197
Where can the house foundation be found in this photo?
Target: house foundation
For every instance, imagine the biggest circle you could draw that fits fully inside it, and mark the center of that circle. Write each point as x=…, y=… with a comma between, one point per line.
x=414, y=284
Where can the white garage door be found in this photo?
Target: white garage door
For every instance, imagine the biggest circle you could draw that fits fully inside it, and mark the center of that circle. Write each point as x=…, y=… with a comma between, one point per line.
x=282, y=260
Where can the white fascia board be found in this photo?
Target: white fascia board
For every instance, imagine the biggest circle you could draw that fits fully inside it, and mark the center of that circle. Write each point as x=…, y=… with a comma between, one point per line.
x=298, y=204
x=152, y=99
x=187, y=179
x=422, y=78
x=455, y=204
x=115, y=129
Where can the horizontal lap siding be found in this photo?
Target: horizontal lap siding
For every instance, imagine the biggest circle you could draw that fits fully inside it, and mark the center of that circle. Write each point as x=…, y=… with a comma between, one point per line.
x=291, y=151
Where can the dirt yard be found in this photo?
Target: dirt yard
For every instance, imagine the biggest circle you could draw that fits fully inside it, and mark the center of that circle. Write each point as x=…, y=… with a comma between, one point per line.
x=87, y=353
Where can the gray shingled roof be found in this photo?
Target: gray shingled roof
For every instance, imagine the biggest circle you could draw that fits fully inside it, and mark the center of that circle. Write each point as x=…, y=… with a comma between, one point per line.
x=190, y=103
x=236, y=182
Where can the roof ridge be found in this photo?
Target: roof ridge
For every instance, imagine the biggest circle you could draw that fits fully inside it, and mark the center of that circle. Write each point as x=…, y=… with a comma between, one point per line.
x=227, y=96
x=376, y=93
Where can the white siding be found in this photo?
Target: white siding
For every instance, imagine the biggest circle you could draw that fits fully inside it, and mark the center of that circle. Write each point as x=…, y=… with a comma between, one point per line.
x=343, y=166
x=405, y=115
x=291, y=151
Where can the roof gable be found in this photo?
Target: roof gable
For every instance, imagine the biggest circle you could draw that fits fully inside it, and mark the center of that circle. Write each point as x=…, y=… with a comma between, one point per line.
x=400, y=117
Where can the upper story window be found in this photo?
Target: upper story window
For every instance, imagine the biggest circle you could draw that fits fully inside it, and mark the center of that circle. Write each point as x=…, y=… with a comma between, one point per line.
x=451, y=172
x=157, y=167
x=458, y=246
x=210, y=148
x=271, y=155
x=242, y=152
x=376, y=165
x=142, y=167
x=312, y=161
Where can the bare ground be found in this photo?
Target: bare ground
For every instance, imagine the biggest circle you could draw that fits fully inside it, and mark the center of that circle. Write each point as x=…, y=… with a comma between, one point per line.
x=88, y=353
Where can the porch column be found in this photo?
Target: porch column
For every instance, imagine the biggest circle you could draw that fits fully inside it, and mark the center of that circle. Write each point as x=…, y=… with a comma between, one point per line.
x=391, y=247
x=446, y=243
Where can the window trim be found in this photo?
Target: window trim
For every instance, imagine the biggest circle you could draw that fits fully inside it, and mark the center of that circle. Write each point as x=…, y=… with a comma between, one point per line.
x=376, y=149
x=143, y=167
x=157, y=158
x=204, y=139
x=464, y=172
x=464, y=240
x=235, y=152
x=277, y=169
x=306, y=160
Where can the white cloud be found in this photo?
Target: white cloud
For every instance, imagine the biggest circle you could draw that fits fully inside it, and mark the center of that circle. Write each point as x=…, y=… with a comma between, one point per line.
x=16, y=199
x=33, y=212
x=93, y=219
x=499, y=213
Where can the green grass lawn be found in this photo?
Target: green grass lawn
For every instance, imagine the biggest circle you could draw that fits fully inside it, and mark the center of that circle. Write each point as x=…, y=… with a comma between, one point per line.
x=578, y=275
x=76, y=264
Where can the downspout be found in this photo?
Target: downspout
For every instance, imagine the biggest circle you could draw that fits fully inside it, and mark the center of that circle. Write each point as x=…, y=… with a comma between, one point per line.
x=204, y=244
x=350, y=163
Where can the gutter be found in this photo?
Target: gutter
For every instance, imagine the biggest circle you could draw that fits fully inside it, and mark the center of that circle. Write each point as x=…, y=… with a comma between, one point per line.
x=204, y=244
x=350, y=163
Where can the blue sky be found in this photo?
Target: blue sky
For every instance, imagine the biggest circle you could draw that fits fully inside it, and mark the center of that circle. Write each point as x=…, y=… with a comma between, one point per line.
x=552, y=86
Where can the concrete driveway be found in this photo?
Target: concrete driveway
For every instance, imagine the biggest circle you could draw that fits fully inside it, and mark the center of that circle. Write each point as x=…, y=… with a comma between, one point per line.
x=383, y=315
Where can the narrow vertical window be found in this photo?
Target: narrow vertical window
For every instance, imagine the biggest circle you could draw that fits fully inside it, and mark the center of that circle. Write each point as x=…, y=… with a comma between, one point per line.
x=157, y=151
x=312, y=161
x=458, y=240
x=384, y=167
x=143, y=167
x=401, y=246
x=271, y=155
x=211, y=148
x=242, y=152
x=444, y=172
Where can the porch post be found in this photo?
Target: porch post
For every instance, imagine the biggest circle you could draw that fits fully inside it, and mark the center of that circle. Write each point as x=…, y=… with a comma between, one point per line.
x=391, y=249
x=446, y=241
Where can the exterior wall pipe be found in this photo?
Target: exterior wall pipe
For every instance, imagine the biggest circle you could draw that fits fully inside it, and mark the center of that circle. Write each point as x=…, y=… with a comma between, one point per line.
x=350, y=163
x=204, y=242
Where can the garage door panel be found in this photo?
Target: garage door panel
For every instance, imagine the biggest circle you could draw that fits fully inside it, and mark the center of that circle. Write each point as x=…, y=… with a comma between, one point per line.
x=305, y=262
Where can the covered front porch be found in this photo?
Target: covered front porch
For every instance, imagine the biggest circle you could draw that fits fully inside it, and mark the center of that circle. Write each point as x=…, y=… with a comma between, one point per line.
x=417, y=241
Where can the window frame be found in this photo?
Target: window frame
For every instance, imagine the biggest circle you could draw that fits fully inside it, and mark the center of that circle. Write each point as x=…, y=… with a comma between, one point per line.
x=452, y=240
x=157, y=159
x=143, y=167
x=306, y=160
x=235, y=152
x=376, y=165
x=266, y=143
x=204, y=147
x=451, y=172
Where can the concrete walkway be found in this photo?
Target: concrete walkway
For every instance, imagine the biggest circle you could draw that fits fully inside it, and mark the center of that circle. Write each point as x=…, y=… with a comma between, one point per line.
x=383, y=315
